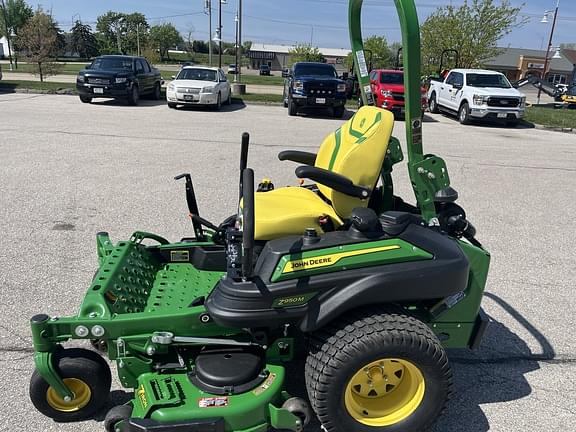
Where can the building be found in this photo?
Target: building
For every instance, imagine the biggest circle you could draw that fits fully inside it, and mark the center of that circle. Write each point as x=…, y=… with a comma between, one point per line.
x=518, y=63
x=278, y=57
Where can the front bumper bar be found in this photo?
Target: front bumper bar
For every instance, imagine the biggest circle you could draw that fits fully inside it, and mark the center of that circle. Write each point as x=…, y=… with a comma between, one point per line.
x=148, y=425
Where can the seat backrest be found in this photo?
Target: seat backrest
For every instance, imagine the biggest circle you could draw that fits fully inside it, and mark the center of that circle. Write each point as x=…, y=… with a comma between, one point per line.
x=356, y=151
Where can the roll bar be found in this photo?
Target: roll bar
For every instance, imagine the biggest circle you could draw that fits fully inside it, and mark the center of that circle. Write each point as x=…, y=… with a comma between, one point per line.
x=428, y=173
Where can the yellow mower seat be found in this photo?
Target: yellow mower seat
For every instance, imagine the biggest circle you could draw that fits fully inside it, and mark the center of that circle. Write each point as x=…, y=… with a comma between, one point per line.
x=355, y=151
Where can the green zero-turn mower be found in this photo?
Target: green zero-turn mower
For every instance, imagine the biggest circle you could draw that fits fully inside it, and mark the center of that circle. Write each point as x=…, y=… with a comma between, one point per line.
x=365, y=288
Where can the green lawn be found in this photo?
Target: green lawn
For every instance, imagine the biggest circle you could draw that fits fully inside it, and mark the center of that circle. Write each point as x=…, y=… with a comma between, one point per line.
x=9, y=86
x=548, y=116
x=253, y=97
x=275, y=80
x=66, y=68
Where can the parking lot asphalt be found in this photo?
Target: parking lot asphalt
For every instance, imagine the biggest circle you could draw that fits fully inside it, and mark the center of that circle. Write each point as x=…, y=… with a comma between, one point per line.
x=69, y=170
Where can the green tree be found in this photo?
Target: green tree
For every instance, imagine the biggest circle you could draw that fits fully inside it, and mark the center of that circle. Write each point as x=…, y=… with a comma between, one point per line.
x=38, y=40
x=122, y=31
x=305, y=53
x=381, y=55
x=82, y=41
x=163, y=37
x=474, y=29
x=14, y=14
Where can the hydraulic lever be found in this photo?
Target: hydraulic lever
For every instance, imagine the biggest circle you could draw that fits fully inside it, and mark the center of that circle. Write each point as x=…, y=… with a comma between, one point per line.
x=193, y=207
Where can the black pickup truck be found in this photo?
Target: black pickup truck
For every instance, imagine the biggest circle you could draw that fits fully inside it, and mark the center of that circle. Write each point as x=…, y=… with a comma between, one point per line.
x=314, y=85
x=119, y=77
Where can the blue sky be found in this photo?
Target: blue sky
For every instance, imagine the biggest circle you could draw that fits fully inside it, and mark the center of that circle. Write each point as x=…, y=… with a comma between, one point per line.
x=323, y=22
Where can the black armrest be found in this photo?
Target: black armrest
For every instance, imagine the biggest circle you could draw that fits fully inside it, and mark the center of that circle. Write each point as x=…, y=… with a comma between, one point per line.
x=301, y=157
x=333, y=180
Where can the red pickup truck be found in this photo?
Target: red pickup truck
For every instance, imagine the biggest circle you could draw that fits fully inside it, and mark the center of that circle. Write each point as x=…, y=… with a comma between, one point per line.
x=388, y=89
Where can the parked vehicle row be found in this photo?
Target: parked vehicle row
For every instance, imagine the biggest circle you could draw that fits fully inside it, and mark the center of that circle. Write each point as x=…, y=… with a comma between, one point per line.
x=119, y=77
x=477, y=94
x=129, y=78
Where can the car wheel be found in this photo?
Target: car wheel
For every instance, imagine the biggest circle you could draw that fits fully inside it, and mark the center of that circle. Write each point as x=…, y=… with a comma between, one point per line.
x=433, y=104
x=219, y=102
x=292, y=108
x=85, y=99
x=172, y=105
x=464, y=114
x=339, y=111
x=229, y=101
x=285, y=100
x=134, y=96
x=157, y=92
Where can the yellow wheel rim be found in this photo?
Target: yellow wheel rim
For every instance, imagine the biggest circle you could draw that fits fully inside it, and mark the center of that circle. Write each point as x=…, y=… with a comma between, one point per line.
x=384, y=392
x=81, y=398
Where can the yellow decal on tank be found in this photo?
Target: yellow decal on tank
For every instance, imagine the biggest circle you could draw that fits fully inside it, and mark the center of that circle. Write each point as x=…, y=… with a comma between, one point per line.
x=330, y=260
x=142, y=396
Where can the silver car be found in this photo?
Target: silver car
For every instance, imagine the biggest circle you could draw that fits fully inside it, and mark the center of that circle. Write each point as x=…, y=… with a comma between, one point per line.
x=199, y=85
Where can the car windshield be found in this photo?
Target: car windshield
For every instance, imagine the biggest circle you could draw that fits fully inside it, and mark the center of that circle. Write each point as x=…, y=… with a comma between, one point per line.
x=316, y=70
x=197, y=75
x=487, y=80
x=108, y=63
x=392, y=78
x=264, y=67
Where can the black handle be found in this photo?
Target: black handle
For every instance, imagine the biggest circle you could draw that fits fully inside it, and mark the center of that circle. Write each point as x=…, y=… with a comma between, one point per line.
x=192, y=206
x=248, y=222
x=243, y=157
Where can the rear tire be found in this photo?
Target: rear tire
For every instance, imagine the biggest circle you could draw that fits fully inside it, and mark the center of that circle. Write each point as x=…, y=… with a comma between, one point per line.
x=392, y=352
x=218, y=105
x=134, y=96
x=464, y=114
x=86, y=99
x=157, y=95
x=86, y=373
x=433, y=104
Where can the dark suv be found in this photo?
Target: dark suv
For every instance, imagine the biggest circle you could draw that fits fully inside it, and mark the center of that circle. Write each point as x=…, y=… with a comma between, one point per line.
x=314, y=85
x=265, y=70
x=119, y=77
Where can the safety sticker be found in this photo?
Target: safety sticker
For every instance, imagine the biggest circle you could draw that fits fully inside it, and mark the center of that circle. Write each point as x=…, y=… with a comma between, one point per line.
x=214, y=402
x=265, y=385
x=362, y=63
x=179, y=256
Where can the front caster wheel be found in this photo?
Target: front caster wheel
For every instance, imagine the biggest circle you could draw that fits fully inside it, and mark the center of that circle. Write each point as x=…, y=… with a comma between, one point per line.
x=116, y=415
x=85, y=373
x=300, y=408
x=377, y=372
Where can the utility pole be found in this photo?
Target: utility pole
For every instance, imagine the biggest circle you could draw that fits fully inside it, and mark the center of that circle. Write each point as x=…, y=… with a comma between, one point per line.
x=546, y=61
x=239, y=63
x=236, y=45
x=220, y=33
x=208, y=7
x=8, y=34
x=138, y=37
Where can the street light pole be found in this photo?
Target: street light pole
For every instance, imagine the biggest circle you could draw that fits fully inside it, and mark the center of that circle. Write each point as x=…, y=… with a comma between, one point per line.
x=236, y=45
x=138, y=37
x=238, y=63
x=546, y=61
x=220, y=33
x=209, y=7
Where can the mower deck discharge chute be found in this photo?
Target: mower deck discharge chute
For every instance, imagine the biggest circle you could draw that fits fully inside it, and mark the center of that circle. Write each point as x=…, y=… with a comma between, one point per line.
x=367, y=289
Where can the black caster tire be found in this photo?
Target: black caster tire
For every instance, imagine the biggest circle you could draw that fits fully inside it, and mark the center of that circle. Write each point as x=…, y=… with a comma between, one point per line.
x=134, y=96
x=88, y=376
x=300, y=408
x=86, y=99
x=377, y=372
x=464, y=114
x=433, y=104
x=115, y=416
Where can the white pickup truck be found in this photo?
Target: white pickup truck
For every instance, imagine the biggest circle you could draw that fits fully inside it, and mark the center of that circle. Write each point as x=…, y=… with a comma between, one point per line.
x=477, y=94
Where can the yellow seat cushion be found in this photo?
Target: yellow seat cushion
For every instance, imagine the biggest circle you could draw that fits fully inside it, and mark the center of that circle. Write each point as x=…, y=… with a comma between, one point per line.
x=289, y=211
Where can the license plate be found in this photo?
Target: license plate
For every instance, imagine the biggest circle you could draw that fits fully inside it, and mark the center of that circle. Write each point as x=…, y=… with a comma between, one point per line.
x=189, y=97
x=320, y=100
x=98, y=90
x=502, y=115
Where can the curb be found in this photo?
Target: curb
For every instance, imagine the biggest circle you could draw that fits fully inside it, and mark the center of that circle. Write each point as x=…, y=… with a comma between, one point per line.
x=555, y=129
